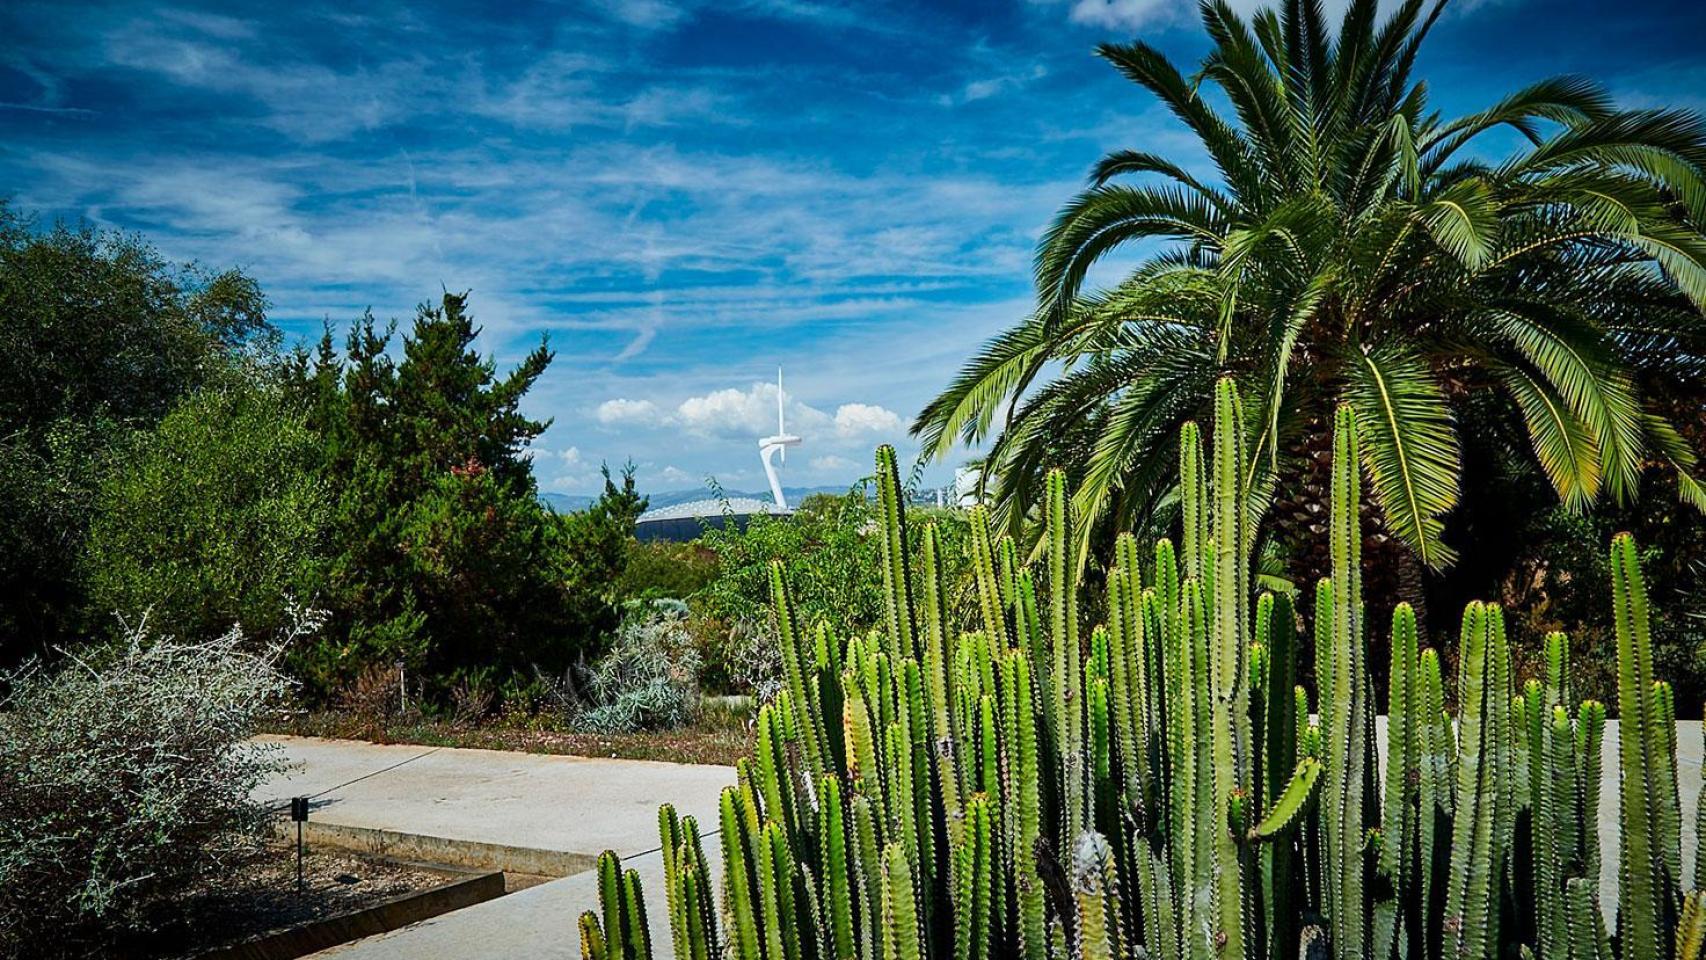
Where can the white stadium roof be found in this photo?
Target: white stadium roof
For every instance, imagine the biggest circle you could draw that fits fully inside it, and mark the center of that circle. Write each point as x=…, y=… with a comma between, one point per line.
x=696, y=509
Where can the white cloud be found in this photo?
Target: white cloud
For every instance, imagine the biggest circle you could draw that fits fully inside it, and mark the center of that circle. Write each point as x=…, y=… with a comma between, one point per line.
x=863, y=419
x=733, y=413
x=746, y=413
x=671, y=105
x=986, y=87
x=541, y=455
x=304, y=99
x=555, y=92
x=624, y=411
x=1126, y=13
x=832, y=463
x=674, y=474
x=212, y=24
x=562, y=471
x=638, y=345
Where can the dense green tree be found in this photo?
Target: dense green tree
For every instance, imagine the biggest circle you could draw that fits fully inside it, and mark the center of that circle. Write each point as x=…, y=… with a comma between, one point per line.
x=443, y=557
x=1351, y=245
x=589, y=552
x=216, y=517
x=99, y=336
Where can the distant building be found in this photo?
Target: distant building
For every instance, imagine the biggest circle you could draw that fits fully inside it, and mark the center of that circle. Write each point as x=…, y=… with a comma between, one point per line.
x=686, y=521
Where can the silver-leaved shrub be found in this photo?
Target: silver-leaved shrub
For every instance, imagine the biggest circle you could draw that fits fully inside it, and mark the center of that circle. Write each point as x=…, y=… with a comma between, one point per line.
x=648, y=680
x=126, y=774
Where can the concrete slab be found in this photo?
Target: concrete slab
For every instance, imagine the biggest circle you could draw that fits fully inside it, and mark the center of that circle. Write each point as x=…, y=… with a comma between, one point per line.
x=1689, y=780
x=569, y=804
x=539, y=923
x=319, y=765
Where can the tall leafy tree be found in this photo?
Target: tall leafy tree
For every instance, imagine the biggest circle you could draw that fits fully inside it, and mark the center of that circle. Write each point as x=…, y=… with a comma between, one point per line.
x=443, y=556
x=1346, y=243
x=590, y=550
x=99, y=337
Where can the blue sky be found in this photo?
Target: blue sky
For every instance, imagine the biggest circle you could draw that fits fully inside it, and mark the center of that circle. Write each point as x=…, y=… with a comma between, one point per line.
x=681, y=194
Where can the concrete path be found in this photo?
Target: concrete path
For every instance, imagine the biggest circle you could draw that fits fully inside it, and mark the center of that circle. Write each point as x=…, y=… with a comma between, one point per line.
x=538, y=923
x=574, y=805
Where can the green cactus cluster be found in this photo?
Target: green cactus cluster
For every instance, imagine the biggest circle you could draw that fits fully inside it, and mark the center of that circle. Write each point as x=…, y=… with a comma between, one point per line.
x=1159, y=785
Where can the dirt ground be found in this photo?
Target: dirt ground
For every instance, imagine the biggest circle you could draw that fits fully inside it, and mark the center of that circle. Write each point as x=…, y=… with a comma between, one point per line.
x=261, y=897
x=720, y=740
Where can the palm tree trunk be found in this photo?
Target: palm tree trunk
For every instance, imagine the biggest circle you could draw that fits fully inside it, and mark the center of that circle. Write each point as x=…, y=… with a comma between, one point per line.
x=1413, y=584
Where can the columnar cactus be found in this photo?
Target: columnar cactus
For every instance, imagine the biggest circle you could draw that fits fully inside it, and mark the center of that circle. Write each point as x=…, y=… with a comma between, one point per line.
x=1156, y=785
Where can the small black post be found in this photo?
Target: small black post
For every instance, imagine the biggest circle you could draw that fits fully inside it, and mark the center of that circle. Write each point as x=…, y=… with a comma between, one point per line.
x=299, y=813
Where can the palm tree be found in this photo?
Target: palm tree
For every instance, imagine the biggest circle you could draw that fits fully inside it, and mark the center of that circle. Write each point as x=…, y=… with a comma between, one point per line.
x=1352, y=246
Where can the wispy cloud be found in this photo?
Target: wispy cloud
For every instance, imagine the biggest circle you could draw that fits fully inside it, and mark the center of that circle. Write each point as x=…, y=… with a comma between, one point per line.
x=647, y=14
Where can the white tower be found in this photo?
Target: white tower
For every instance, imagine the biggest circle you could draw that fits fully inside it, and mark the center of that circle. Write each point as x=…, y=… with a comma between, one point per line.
x=769, y=446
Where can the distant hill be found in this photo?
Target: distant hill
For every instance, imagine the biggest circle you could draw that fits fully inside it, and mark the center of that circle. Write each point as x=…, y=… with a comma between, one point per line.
x=565, y=503
x=569, y=503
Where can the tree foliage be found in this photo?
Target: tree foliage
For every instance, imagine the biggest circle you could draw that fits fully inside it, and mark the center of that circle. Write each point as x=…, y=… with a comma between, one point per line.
x=214, y=519
x=1348, y=243
x=443, y=557
x=99, y=336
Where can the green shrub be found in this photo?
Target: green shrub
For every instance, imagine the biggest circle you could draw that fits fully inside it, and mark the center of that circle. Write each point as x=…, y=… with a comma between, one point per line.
x=661, y=570
x=738, y=657
x=124, y=776
x=1158, y=786
x=823, y=540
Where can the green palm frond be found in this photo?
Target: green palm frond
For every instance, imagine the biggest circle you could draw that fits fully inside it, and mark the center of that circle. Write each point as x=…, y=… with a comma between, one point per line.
x=1125, y=163
x=1145, y=416
x=1149, y=68
x=1569, y=101
x=1288, y=327
x=1563, y=444
x=1464, y=220
x=1238, y=67
x=1103, y=218
x=1680, y=252
x=1409, y=445
x=1599, y=394
x=968, y=406
x=1681, y=458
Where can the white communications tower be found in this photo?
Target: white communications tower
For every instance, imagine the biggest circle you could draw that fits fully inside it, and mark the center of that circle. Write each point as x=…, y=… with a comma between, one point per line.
x=769, y=446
